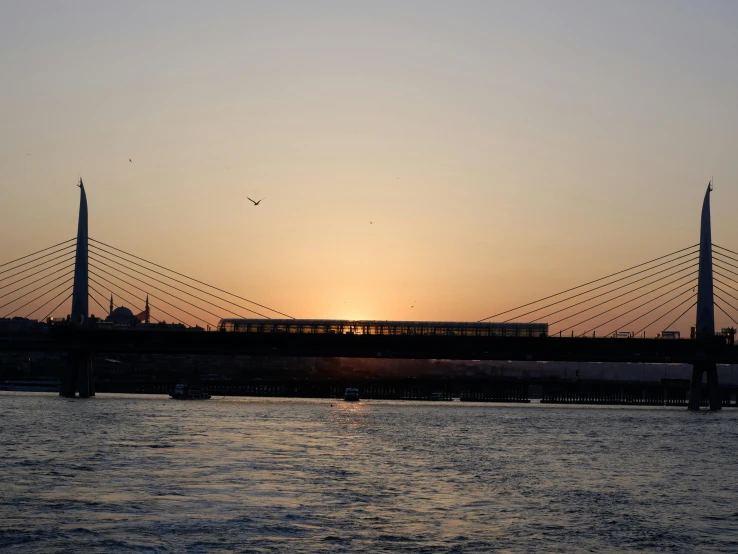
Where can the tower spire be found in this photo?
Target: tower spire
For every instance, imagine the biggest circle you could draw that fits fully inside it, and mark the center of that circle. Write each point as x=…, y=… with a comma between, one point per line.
x=80, y=309
x=705, y=324
x=78, y=375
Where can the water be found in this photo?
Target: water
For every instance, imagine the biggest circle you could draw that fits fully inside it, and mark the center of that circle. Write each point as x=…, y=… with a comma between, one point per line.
x=149, y=474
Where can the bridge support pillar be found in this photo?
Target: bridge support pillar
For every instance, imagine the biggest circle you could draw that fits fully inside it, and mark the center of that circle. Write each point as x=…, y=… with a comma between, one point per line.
x=713, y=388
x=78, y=376
x=695, y=388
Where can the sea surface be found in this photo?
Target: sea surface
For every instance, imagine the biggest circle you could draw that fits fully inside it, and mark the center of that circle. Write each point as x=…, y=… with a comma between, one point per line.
x=122, y=473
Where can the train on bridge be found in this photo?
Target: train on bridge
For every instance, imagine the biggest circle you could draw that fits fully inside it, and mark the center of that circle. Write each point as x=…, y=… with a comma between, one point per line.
x=364, y=327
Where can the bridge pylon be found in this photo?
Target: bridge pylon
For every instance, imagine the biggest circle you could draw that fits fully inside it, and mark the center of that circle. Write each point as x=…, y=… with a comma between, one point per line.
x=705, y=324
x=78, y=375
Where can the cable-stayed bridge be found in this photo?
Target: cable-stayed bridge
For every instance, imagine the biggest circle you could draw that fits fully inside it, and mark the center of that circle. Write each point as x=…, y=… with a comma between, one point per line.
x=625, y=316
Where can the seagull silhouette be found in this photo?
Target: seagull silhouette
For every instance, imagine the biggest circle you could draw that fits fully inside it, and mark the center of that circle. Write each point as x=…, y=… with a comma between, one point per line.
x=255, y=202
x=130, y=160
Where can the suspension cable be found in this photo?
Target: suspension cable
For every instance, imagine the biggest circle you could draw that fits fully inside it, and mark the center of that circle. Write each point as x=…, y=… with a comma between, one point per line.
x=190, y=278
x=168, y=285
x=29, y=255
x=95, y=299
x=57, y=307
x=643, y=314
x=724, y=277
x=680, y=316
x=40, y=258
x=726, y=313
x=49, y=301
x=33, y=282
x=143, y=290
x=101, y=296
x=37, y=288
x=38, y=297
x=609, y=291
x=97, y=254
x=615, y=297
x=35, y=273
x=597, y=280
x=152, y=296
x=114, y=305
x=627, y=302
x=37, y=265
x=724, y=261
x=724, y=268
x=725, y=292
x=722, y=248
x=726, y=302
x=663, y=316
x=98, y=283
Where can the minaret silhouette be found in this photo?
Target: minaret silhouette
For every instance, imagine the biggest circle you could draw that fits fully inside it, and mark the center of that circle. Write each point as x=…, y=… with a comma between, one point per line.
x=111, y=305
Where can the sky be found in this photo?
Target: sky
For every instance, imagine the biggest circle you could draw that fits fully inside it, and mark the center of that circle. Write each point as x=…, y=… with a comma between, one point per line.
x=502, y=151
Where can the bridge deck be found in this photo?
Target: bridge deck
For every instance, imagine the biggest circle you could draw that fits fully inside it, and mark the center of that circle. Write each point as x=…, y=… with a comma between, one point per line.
x=375, y=346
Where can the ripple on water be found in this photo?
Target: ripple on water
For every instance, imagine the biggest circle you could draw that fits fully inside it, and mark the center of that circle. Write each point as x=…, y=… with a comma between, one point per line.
x=142, y=474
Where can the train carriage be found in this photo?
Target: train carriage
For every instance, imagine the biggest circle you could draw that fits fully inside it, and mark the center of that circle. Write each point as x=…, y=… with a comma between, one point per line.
x=369, y=327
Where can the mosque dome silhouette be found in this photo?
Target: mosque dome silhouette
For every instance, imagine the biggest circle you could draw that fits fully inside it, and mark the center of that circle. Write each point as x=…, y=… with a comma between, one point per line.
x=121, y=316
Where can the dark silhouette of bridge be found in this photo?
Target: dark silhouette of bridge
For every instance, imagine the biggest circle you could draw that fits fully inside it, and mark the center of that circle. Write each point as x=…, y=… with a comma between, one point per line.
x=662, y=286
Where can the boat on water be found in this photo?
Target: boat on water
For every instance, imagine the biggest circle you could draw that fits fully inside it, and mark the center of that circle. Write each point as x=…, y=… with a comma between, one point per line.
x=351, y=395
x=182, y=391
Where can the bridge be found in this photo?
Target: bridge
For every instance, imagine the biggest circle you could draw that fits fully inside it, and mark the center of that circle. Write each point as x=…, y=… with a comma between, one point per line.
x=641, y=297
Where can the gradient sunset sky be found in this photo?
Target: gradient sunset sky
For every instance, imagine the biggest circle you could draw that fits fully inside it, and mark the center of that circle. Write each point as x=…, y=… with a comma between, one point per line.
x=503, y=151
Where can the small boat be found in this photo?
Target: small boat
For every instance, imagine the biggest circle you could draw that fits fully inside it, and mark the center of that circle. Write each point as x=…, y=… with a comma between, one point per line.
x=183, y=392
x=351, y=395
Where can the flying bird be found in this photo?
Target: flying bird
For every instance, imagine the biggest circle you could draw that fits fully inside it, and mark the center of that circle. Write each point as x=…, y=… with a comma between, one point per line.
x=130, y=160
x=371, y=223
x=255, y=202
